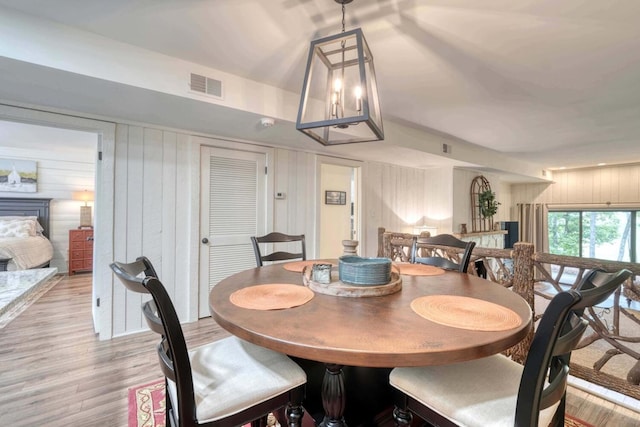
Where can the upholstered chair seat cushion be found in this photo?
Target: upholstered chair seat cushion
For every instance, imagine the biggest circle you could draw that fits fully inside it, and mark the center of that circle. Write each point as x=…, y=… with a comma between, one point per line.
x=480, y=392
x=230, y=375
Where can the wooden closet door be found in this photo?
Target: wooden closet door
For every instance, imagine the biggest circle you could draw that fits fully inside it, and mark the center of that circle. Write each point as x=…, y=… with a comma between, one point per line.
x=233, y=208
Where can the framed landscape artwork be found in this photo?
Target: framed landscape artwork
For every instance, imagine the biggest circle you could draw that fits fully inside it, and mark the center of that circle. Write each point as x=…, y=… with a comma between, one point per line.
x=18, y=175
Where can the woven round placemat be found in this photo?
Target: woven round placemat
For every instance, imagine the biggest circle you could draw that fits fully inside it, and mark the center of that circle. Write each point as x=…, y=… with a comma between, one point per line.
x=273, y=296
x=419, y=270
x=298, y=266
x=466, y=313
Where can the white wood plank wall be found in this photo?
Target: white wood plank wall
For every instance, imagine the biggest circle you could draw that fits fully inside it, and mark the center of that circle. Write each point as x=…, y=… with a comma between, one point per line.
x=153, y=203
x=607, y=184
x=395, y=197
x=294, y=175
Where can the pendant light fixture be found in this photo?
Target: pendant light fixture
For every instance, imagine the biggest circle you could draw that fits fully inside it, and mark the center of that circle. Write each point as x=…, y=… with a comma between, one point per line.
x=339, y=101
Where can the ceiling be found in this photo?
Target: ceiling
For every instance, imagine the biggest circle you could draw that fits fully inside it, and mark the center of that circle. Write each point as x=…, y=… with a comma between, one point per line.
x=552, y=82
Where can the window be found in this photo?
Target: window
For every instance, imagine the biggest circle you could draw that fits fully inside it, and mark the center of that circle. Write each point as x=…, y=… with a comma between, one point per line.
x=603, y=234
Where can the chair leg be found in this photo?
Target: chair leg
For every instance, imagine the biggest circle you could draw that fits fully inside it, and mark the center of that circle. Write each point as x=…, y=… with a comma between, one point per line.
x=402, y=417
x=294, y=412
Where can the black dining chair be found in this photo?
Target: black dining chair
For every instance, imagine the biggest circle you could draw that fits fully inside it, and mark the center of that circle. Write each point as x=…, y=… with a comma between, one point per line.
x=496, y=390
x=279, y=255
x=225, y=383
x=438, y=255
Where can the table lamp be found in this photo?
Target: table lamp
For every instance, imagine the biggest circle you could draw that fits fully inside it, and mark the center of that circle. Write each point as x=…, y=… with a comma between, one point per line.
x=85, y=211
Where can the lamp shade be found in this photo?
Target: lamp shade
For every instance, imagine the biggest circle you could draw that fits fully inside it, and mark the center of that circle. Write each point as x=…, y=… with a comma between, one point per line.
x=339, y=100
x=85, y=196
x=85, y=211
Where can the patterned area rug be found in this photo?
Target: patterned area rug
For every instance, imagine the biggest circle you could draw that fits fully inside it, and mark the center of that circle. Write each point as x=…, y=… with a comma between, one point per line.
x=146, y=408
x=146, y=405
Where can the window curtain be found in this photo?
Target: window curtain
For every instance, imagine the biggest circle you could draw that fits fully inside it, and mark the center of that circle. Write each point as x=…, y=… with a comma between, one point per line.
x=534, y=227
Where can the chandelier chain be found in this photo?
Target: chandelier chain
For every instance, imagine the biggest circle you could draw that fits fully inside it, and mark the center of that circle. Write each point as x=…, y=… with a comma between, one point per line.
x=343, y=8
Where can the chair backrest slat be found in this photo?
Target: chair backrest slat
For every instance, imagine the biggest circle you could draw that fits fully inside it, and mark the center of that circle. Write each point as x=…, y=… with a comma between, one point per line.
x=555, y=391
x=166, y=364
x=597, y=285
x=150, y=312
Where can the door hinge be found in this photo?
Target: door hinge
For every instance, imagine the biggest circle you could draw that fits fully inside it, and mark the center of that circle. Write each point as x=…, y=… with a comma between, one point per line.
x=265, y=170
x=97, y=302
x=99, y=155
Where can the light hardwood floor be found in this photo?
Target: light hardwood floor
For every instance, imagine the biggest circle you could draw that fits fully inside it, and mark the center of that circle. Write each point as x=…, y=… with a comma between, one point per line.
x=55, y=372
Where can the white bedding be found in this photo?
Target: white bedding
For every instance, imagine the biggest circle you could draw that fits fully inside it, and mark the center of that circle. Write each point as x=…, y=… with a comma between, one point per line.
x=25, y=252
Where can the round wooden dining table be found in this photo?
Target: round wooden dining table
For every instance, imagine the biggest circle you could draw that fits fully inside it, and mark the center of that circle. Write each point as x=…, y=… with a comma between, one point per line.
x=373, y=331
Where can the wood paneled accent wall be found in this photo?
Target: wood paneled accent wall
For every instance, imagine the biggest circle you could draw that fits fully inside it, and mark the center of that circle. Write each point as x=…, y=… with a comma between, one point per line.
x=155, y=202
x=614, y=184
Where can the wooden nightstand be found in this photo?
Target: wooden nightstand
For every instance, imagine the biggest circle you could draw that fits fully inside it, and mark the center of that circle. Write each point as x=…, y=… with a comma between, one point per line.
x=80, y=250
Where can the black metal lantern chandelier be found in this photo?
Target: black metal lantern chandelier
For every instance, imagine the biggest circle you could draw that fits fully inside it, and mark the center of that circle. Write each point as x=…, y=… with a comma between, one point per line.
x=339, y=101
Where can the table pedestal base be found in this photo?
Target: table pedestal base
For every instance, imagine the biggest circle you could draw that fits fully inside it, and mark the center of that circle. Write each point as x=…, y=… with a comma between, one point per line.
x=333, y=396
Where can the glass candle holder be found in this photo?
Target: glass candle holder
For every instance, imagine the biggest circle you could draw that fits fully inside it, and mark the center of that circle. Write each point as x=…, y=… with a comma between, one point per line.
x=321, y=273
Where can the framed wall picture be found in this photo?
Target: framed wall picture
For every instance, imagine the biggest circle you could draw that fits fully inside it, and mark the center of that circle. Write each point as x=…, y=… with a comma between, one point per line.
x=18, y=175
x=335, y=197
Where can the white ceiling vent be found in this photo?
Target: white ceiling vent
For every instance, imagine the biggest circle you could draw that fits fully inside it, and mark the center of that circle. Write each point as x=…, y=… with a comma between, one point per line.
x=206, y=85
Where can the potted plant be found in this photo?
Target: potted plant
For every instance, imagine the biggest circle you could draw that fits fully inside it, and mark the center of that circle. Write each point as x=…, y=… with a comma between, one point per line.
x=488, y=203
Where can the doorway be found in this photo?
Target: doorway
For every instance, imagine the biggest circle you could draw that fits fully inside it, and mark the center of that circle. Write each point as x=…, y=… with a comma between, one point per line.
x=339, y=204
x=101, y=140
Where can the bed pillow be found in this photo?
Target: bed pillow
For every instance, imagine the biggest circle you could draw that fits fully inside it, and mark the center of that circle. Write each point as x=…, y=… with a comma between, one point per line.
x=17, y=228
x=38, y=229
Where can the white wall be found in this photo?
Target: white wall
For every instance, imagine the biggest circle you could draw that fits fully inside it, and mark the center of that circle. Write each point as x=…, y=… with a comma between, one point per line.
x=66, y=162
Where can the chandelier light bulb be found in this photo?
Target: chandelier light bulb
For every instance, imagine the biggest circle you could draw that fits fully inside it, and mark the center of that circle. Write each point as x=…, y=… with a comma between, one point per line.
x=358, y=93
x=334, y=104
x=337, y=85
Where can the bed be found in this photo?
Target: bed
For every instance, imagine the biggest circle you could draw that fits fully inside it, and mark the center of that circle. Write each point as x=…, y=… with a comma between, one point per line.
x=24, y=233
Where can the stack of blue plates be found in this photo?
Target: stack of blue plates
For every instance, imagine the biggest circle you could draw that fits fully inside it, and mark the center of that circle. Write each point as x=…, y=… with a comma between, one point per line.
x=356, y=270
